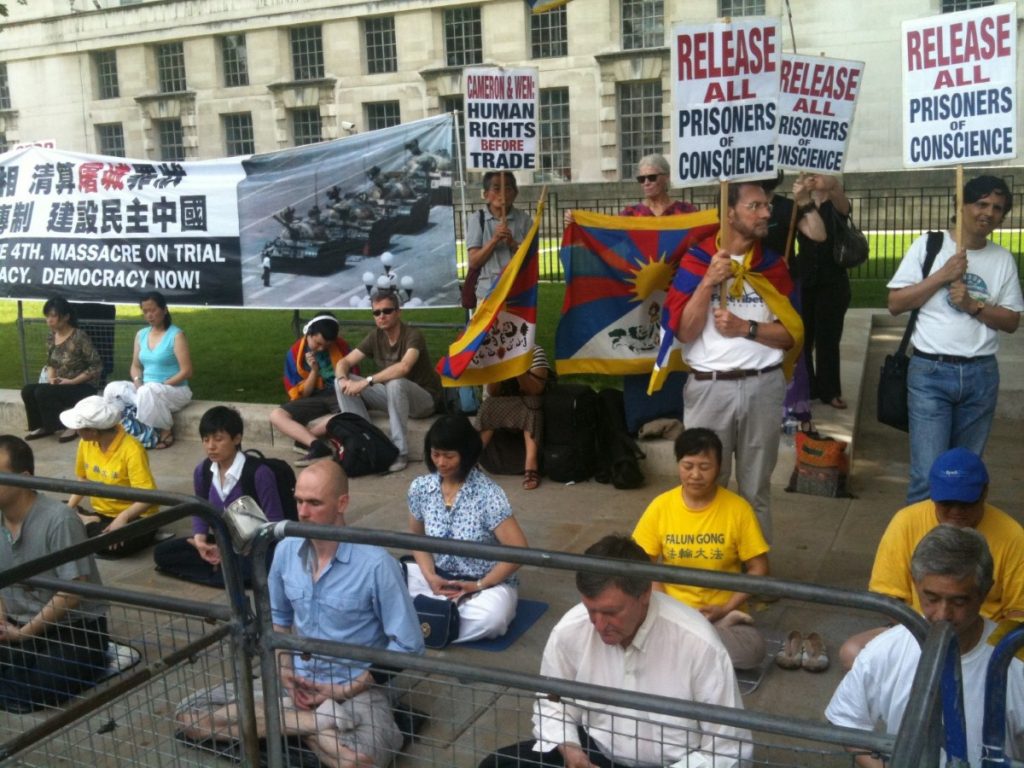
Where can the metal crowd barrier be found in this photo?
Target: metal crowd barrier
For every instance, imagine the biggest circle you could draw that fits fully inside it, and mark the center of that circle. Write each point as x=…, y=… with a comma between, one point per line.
x=463, y=710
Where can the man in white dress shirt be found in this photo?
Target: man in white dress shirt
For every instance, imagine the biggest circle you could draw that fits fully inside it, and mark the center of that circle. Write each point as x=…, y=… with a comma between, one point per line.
x=623, y=635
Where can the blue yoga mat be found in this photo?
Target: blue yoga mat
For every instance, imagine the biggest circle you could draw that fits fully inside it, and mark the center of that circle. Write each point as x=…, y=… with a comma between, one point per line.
x=527, y=613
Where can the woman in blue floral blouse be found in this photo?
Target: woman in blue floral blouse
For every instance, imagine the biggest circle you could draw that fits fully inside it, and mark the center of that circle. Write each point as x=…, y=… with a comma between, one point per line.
x=458, y=501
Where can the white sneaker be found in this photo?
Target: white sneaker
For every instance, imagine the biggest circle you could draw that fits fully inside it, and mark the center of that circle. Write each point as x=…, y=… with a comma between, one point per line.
x=399, y=464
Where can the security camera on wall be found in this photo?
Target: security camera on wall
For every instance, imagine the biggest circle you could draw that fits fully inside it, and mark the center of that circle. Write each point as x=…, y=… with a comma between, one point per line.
x=348, y=127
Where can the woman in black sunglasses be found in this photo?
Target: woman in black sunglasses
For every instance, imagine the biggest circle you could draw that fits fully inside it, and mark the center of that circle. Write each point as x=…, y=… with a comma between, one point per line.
x=652, y=173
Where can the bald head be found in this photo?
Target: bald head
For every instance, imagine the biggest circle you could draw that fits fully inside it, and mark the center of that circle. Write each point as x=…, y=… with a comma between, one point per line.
x=321, y=493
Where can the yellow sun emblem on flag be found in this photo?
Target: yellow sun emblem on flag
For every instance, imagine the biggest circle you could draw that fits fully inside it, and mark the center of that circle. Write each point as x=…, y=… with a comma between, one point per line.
x=653, y=276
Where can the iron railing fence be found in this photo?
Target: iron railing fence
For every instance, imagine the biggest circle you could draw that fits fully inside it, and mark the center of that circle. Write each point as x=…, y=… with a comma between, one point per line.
x=135, y=718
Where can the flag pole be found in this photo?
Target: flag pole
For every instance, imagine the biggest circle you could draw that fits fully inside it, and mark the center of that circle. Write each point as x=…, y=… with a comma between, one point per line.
x=723, y=235
x=960, y=207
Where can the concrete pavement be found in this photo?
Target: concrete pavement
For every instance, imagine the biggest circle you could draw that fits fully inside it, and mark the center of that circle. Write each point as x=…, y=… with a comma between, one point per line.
x=820, y=540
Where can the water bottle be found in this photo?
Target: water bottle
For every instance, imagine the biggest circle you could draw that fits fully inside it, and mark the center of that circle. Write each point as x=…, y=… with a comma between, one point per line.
x=789, y=427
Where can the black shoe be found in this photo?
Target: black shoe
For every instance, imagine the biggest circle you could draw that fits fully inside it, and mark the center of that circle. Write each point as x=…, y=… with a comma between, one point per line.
x=35, y=434
x=318, y=450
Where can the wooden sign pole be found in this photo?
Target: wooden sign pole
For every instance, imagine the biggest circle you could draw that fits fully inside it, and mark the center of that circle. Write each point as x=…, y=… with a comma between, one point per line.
x=723, y=236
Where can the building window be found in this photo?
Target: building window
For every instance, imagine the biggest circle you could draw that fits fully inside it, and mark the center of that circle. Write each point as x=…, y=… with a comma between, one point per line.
x=549, y=34
x=741, y=8
x=172, y=140
x=642, y=24
x=307, y=53
x=381, y=50
x=236, y=64
x=382, y=114
x=3, y=142
x=105, y=64
x=950, y=6
x=238, y=136
x=639, y=123
x=110, y=139
x=170, y=67
x=463, y=37
x=305, y=125
x=449, y=104
x=5, y=91
x=555, y=163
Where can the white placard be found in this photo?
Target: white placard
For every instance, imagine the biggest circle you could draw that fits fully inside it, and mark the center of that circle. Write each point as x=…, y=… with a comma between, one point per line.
x=959, y=87
x=725, y=100
x=816, y=107
x=501, y=118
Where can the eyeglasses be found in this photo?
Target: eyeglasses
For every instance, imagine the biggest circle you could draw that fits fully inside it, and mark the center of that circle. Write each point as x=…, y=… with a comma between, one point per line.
x=651, y=177
x=757, y=207
x=383, y=311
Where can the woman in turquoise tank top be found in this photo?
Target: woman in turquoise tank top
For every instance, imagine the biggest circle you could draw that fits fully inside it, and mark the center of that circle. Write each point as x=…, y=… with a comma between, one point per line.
x=160, y=370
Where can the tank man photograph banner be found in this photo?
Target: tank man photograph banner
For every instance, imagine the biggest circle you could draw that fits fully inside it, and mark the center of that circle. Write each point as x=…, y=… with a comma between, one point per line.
x=242, y=231
x=725, y=99
x=816, y=107
x=501, y=118
x=959, y=87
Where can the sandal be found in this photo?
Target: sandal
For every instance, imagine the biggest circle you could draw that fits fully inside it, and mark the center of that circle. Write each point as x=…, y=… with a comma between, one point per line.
x=838, y=403
x=814, y=655
x=531, y=479
x=166, y=441
x=791, y=654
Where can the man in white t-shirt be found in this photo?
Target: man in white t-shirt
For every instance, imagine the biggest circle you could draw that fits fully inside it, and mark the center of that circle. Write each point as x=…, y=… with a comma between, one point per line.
x=738, y=354
x=970, y=294
x=952, y=570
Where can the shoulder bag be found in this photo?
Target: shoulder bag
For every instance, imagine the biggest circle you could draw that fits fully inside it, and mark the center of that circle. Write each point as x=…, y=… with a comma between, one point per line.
x=850, y=246
x=892, y=407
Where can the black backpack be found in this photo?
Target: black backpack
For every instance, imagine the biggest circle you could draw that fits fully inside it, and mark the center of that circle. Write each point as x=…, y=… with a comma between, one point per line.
x=359, y=446
x=570, y=432
x=284, y=477
x=618, y=457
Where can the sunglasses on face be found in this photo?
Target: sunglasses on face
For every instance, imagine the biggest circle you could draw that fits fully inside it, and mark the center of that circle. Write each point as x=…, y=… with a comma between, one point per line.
x=651, y=177
x=383, y=311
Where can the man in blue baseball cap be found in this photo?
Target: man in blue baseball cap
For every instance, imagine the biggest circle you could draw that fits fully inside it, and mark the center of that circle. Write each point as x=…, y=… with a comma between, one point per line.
x=957, y=487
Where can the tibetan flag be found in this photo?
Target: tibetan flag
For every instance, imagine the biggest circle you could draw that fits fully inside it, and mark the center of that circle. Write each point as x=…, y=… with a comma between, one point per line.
x=498, y=341
x=617, y=272
x=539, y=6
x=763, y=271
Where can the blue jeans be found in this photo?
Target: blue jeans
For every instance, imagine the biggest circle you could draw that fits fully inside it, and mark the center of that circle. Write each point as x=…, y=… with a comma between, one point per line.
x=951, y=406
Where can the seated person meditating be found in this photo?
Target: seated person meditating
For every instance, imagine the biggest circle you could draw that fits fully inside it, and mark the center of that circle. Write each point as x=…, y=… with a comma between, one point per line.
x=160, y=370
x=516, y=404
x=107, y=454
x=458, y=501
x=52, y=644
x=73, y=368
x=702, y=525
x=309, y=382
x=226, y=475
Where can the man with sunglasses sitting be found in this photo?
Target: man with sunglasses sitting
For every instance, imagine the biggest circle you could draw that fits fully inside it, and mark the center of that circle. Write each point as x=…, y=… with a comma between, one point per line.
x=405, y=383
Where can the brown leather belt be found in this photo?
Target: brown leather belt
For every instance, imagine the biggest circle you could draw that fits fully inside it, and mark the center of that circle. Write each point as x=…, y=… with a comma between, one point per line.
x=733, y=375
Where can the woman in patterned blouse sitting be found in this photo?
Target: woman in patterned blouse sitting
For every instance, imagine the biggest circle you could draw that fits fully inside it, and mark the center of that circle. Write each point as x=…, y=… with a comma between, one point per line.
x=458, y=501
x=73, y=369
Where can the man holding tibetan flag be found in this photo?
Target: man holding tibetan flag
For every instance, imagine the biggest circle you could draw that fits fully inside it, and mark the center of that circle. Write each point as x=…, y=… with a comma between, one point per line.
x=617, y=270
x=741, y=355
x=497, y=344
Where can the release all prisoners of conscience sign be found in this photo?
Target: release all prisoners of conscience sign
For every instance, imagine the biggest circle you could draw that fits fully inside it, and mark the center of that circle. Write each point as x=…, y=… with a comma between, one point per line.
x=501, y=118
x=725, y=100
x=959, y=83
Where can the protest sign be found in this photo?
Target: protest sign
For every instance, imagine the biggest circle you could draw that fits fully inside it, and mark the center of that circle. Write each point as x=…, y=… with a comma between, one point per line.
x=297, y=228
x=725, y=100
x=816, y=106
x=959, y=87
x=501, y=118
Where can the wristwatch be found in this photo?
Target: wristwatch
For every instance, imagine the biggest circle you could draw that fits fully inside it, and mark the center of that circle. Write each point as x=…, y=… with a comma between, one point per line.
x=979, y=305
x=751, y=329
x=369, y=380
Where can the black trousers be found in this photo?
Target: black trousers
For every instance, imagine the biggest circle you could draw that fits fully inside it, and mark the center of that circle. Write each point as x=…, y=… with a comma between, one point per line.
x=44, y=402
x=521, y=755
x=50, y=669
x=178, y=558
x=824, y=310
